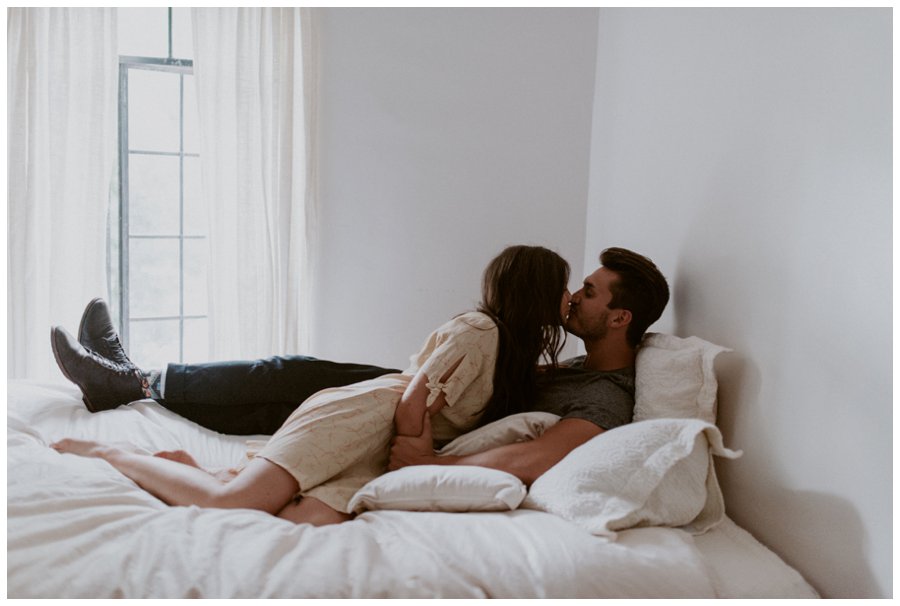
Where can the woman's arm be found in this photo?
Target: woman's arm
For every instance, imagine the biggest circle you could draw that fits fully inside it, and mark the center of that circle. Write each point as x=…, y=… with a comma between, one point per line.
x=414, y=403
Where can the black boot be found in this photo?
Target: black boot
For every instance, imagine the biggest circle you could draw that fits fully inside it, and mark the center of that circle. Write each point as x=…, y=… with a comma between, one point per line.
x=103, y=383
x=97, y=333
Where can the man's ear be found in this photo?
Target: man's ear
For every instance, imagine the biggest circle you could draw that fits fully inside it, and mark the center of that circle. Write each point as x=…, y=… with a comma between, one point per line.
x=621, y=318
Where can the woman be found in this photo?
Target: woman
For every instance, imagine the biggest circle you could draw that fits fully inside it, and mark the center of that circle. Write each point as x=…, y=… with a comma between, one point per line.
x=476, y=368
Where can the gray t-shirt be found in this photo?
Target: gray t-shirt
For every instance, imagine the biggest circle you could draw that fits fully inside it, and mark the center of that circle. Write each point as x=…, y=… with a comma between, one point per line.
x=605, y=398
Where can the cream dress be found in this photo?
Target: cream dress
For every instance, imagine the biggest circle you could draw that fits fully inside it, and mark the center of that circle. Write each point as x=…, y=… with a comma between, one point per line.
x=339, y=439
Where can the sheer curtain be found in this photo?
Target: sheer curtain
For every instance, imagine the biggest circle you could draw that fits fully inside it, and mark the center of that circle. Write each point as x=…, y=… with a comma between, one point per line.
x=255, y=75
x=61, y=120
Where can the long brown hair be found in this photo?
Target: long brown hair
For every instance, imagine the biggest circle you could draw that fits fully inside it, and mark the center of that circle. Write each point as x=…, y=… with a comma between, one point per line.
x=521, y=291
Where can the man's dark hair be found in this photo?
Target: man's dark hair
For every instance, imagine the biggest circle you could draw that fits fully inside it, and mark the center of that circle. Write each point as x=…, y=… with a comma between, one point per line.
x=641, y=289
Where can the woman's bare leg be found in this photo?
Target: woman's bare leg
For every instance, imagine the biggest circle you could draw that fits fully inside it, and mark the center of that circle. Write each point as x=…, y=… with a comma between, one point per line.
x=179, y=456
x=261, y=485
x=184, y=457
x=313, y=511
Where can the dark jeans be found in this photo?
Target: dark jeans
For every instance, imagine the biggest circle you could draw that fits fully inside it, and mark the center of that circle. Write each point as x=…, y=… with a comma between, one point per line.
x=254, y=397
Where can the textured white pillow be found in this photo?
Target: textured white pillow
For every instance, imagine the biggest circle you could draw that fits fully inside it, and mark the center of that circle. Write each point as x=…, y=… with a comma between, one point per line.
x=674, y=378
x=458, y=487
x=441, y=488
x=651, y=473
x=514, y=428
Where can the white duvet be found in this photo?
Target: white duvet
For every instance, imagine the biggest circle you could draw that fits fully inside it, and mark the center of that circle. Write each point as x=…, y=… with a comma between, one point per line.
x=76, y=528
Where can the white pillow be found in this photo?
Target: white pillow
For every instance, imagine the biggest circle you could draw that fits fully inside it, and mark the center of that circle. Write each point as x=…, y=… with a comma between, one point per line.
x=508, y=430
x=441, y=488
x=458, y=487
x=650, y=473
x=674, y=378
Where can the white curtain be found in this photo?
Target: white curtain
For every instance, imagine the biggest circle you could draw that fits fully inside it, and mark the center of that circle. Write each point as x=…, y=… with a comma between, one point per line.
x=255, y=75
x=61, y=134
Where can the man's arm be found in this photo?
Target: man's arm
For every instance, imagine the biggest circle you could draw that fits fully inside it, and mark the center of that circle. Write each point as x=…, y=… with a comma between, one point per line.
x=525, y=460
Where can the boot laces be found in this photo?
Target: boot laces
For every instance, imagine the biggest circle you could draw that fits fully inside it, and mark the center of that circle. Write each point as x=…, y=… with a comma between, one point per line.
x=106, y=363
x=115, y=349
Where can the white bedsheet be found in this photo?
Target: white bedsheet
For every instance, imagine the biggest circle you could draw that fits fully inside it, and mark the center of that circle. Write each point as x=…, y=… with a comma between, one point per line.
x=76, y=528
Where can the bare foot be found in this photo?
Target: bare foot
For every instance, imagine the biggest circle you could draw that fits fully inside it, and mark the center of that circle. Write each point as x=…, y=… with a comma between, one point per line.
x=82, y=448
x=90, y=448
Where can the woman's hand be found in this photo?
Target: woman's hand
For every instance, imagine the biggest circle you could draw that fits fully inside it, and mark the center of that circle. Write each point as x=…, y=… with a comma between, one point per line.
x=413, y=406
x=413, y=450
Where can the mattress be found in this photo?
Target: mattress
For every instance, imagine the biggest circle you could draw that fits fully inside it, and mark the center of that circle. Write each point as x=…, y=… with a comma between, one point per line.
x=76, y=528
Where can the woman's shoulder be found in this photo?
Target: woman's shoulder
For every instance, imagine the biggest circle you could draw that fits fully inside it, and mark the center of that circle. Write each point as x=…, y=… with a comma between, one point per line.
x=471, y=320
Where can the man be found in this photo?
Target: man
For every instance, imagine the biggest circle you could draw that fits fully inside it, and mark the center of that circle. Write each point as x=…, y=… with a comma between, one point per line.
x=591, y=393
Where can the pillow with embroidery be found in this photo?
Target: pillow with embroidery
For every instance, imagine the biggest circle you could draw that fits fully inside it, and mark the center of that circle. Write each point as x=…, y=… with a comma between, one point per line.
x=674, y=378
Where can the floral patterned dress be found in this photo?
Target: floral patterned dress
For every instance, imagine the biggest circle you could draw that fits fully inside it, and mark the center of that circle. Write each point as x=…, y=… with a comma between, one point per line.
x=339, y=439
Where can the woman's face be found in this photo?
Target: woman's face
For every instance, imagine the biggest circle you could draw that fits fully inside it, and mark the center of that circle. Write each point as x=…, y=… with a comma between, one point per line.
x=564, y=306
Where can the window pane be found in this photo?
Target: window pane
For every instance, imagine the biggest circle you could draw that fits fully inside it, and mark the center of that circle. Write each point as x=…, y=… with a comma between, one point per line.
x=195, y=219
x=191, y=118
x=195, y=260
x=153, y=183
x=153, y=280
x=154, y=110
x=196, y=340
x=153, y=344
x=143, y=32
x=182, y=34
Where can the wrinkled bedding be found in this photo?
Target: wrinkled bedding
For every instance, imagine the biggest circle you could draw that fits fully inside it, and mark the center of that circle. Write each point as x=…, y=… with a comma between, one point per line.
x=76, y=528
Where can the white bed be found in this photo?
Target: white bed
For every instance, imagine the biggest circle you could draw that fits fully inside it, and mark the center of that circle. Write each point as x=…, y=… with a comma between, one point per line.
x=76, y=528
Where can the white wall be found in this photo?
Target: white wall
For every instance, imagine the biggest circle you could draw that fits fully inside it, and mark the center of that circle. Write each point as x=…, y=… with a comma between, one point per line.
x=749, y=153
x=445, y=135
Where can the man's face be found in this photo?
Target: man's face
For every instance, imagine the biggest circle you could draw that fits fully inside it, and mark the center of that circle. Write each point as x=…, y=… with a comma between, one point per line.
x=589, y=311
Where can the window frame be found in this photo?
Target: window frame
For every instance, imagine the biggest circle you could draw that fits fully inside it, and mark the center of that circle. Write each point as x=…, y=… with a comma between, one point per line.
x=181, y=67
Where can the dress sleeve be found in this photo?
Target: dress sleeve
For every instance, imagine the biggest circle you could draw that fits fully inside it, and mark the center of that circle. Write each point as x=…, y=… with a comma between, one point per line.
x=469, y=345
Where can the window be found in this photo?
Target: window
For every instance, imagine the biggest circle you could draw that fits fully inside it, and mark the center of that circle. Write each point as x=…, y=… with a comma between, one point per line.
x=159, y=248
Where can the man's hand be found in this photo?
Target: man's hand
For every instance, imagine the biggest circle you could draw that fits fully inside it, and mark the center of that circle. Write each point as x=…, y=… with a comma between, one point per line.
x=525, y=460
x=413, y=450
